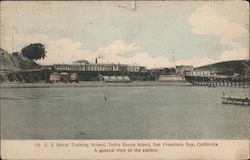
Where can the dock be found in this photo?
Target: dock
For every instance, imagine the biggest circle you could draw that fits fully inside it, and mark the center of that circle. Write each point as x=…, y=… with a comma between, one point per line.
x=218, y=81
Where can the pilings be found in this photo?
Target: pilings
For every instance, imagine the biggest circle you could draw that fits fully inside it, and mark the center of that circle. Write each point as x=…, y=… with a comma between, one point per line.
x=212, y=81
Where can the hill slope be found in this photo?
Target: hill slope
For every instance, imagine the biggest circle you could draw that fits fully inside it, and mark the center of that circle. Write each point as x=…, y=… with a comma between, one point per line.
x=14, y=62
x=228, y=67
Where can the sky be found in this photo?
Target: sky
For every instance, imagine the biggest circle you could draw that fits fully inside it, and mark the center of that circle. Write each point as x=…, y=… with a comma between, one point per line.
x=152, y=34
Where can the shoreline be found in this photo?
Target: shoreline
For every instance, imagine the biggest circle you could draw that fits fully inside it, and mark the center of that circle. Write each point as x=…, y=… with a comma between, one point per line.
x=95, y=84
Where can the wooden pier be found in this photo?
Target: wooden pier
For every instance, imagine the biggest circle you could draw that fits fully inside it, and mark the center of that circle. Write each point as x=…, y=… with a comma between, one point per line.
x=218, y=81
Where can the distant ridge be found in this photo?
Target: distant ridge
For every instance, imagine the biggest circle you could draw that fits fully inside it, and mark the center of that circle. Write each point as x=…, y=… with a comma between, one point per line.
x=228, y=67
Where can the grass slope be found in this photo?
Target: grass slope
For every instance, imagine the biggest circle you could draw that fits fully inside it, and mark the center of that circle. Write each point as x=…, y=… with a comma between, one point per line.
x=228, y=67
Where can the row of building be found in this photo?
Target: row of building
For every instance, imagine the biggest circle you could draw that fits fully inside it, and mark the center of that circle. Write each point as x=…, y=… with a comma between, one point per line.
x=180, y=70
x=96, y=67
x=176, y=73
x=80, y=66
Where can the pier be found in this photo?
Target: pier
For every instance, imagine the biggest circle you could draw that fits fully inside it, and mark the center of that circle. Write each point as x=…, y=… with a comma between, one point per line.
x=218, y=81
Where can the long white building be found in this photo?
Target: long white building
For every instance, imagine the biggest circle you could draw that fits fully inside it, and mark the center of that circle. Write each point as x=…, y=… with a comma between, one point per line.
x=97, y=67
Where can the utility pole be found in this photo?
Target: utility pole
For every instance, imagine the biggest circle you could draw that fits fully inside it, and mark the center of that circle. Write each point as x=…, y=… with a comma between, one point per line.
x=12, y=40
x=12, y=43
x=173, y=58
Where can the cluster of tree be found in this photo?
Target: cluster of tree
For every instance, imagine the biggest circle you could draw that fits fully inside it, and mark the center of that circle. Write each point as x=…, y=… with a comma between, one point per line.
x=34, y=51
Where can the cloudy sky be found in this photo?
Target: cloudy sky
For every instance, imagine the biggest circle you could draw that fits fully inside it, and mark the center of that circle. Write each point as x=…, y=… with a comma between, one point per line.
x=145, y=33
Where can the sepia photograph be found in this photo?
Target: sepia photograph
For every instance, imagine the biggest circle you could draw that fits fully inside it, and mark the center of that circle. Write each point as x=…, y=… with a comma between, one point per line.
x=137, y=77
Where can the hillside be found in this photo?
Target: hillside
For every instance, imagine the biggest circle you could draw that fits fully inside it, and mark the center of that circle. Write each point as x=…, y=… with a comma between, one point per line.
x=228, y=67
x=12, y=62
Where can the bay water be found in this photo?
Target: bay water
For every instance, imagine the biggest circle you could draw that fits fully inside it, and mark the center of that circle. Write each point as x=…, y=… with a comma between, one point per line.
x=155, y=112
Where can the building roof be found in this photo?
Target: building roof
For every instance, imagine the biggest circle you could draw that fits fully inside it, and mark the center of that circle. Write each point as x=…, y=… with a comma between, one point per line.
x=184, y=66
x=158, y=69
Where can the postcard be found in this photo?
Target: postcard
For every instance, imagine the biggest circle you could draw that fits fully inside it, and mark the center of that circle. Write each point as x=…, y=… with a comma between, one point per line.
x=124, y=80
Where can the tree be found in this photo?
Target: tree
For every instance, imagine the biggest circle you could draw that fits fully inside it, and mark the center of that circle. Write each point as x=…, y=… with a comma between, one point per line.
x=34, y=51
